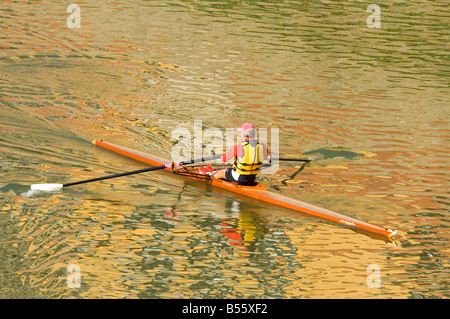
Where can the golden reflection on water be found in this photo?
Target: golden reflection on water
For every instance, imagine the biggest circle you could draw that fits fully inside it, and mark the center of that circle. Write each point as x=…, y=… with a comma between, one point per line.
x=311, y=69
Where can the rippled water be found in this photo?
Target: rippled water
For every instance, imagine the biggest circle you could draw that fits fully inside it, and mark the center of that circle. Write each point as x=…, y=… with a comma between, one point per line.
x=370, y=103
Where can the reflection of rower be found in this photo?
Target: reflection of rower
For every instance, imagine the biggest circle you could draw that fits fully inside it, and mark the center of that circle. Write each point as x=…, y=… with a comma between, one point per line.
x=248, y=157
x=245, y=230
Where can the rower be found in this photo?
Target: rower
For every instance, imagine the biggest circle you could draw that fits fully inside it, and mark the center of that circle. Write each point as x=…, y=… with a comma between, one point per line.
x=248, y=156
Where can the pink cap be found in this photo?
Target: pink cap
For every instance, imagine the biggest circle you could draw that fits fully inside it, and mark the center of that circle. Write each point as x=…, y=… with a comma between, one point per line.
x=247, y=127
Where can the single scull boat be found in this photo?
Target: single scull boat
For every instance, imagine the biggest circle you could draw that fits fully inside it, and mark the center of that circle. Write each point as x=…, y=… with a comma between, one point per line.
x=259, y=191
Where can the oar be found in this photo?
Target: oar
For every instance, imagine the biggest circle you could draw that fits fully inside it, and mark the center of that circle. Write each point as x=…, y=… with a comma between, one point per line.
x=285, y=159
x=54, y=187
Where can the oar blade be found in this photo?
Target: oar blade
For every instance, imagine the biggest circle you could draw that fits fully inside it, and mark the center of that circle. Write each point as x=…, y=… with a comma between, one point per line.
x=46, y=187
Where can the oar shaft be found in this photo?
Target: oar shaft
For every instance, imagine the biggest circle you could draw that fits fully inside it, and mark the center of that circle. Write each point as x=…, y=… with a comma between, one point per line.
x=285, y=159
x=116, y=175
x=203, y=159
x=149, y=169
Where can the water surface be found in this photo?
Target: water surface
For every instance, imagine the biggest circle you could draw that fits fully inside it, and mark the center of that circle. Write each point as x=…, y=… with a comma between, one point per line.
x=372, y=103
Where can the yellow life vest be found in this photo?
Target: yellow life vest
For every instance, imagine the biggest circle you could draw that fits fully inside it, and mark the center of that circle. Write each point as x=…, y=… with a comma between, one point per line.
x=251, y=161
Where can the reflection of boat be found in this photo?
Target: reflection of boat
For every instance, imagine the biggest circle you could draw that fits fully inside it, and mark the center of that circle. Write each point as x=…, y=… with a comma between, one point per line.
x=258, y=192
